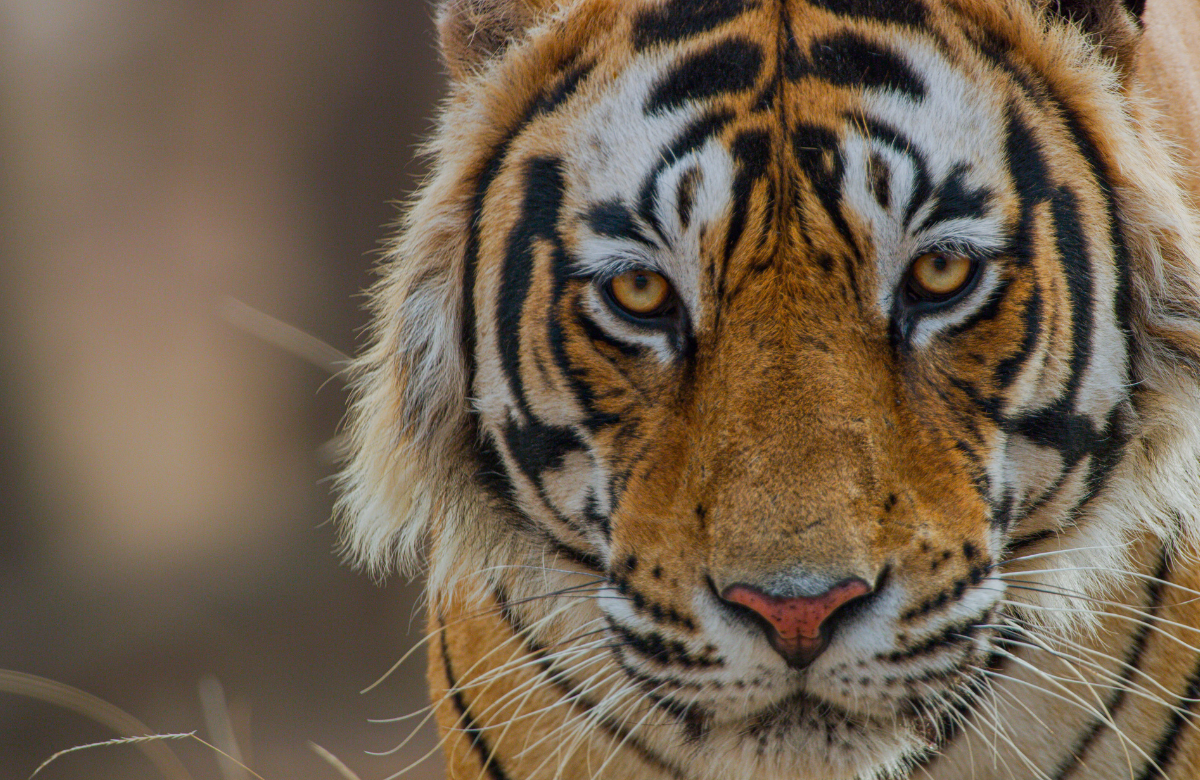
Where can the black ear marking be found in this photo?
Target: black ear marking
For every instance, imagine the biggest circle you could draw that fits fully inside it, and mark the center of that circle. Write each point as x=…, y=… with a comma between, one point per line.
x=1137, y=8
x=1116, y=25
x=471, y=32
x=1099, y=16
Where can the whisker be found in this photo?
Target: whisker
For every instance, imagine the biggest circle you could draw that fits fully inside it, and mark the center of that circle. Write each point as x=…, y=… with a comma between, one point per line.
x=1073, y=699
x=466, y=675
x=574, y=573
x=1139, y=575
x=1117, y=615
x=490, y=611
x=1063, y=551
x=1119, y=684
x=1028, y=628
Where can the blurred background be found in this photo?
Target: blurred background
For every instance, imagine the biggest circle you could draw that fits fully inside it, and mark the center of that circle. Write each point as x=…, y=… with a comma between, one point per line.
x=165, y=491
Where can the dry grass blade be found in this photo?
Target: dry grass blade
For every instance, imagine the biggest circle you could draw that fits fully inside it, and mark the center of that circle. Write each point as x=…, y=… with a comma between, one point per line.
x=239, y=764
x=220, y=728
x=289, y=338
x=334, y=761
x=140, y=741
x=98, y=710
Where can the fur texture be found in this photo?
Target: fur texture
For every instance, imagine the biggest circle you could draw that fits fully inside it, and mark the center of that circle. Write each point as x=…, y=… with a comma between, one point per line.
x=1013, y=470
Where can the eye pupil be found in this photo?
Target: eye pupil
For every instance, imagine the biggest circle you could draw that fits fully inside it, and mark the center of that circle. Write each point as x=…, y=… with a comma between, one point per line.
x=641, y=294
x=937, y=277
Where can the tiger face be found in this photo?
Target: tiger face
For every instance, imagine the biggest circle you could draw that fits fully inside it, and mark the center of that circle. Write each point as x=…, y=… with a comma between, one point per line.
x=784, y=327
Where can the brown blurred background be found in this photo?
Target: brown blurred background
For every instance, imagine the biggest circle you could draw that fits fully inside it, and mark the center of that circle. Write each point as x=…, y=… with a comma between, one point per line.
x=164, y=493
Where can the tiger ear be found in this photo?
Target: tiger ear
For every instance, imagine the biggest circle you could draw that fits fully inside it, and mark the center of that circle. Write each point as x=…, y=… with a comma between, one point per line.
x=471, y=32
x=1116, y=25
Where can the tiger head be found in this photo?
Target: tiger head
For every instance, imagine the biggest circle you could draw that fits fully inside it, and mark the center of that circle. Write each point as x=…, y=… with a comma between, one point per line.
x=797, y=324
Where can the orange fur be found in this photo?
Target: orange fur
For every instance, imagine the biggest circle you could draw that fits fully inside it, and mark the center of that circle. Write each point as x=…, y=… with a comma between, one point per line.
x=793, y=424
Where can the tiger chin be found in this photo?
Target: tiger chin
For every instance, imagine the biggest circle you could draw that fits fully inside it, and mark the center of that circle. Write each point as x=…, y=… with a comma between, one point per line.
x=798, y=388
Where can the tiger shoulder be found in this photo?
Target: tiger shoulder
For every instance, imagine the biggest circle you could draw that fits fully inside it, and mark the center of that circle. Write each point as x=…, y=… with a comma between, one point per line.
x=799, y=388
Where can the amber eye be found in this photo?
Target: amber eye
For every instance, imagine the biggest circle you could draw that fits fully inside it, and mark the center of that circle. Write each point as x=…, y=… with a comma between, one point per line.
x=641, y=293
x=939, y=276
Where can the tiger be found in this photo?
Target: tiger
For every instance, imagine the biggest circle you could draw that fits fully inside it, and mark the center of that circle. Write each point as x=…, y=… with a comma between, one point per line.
x=798, y=389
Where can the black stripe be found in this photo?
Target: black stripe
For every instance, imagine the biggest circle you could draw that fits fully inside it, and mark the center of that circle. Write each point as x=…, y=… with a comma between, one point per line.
x=544, y=188
x=689, y=139
x=1071, y=239
x=535, y=445
x=988, y=405
x=694, y=721
x=904, y=12
x=956, y=634
x=752, y=150
x=595, y=517
x=543, y=104
x=975, y=576
x=1058, y=426
x=727, y=67
x=998, y=50
x=846, y=59
x=677, y=20
x=1031, y=319
x=1133, y=659
x=987, y=312
x=562, y=89
x=852, y=277
x=1031, y=179
x=1168, y=741
x=1107, y=450
x=601, y=336
x=881, y=186
x=819, y=157
x=490, y=472
x=1109, y=445
x=487, y=757
x=1073, y=435
x=1029, y=170
x=614, y=219
x=581, y=558
x=978, y=473
x=660, y=649
x=1020, y=543
x=685, y=195
x=564, y=280
x=902, y=145
x=493, y=475
x=491, y=170
x=1002, y=511
x=955, y=200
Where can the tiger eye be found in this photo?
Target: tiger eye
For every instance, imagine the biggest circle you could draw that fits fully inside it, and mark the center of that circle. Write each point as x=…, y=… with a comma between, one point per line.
x=938, y=276
x=641, y=293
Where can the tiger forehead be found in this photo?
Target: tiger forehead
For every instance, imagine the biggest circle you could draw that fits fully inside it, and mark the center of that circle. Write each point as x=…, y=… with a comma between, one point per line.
x=767, y=63
x=751, y=114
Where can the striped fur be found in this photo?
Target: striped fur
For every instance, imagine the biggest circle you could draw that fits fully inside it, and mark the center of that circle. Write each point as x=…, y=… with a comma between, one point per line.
x=1016, y=473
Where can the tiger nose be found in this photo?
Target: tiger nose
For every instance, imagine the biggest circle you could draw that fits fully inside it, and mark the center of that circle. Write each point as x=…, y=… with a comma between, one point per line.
x=798, y=627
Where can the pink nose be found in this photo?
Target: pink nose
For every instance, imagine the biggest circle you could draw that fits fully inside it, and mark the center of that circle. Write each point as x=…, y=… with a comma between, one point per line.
x=797, y=621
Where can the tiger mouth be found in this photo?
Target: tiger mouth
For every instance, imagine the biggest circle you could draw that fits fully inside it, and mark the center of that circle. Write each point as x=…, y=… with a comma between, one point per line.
x=916, y=689
x=895, y=696
x=924, y=725
x=929, y=720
